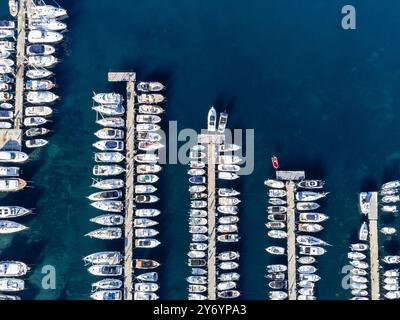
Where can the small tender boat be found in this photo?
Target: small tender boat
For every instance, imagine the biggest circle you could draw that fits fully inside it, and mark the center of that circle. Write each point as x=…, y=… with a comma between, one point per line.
x=108, y=184
x=363, y=233
x=309, y=227
x=108, y=205
x=304, y=206
x=107, y=170
x=105, y=270
x=275, y=250
x=311, y=184
x=8, y=227
x=36, y=143
x=104, y=257
x=109, y=233
x=150, y=86
x=108, y=220
x=276, y=184
x=12, y=184
x=112, y=122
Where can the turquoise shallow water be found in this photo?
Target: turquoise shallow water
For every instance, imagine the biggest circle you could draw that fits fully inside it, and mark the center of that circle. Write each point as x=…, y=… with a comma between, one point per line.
x=323, y=99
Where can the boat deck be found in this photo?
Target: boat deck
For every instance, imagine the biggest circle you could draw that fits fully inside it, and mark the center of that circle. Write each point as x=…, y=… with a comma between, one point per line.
x=373, y=244
x=129, y=178
x=291, y=241
x=10, y=139
x=24, y=5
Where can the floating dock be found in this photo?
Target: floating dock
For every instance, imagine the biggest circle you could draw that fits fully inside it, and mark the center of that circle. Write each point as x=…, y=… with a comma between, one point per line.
x=373, y=245
x=130, y=77
x=291, y=241
x=212, y=141
x=24, y=6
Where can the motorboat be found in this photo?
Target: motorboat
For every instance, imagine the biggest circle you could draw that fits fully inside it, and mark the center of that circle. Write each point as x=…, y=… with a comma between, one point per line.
x=228, y=160
x=148, y=136
x=312, y=250
x=150, y=109
x=276, y=276
x=228, y=220
x=276, y=193
x=8, y=227
x=228, y=209
x=11, y=285
x=228, y=147
x=13, y=156
x=107, y=170
x=275, y=225
x=110, y=109
x=276, y=201
x=146, y=287
x=104, y=257
x=306, y=284
x=112, y=122
x=197, y=263
x=198, y=246
x=311, y=184
x=40, y=49
x=34, y=121
x=389, y=192
x=13, y=269
x=107, y=284
x=110, y=133
x=146, y=158
x=7, y=33
x=306, y=260
x=309, y=227
x=5, y=24
x=144, y=223
x=5, y=87
x=388, y=230
x=224, y=192
x=146, y=198
x=359, y=246
x=108, y=220
x=391, y=287
x=197, y=180
x=356, y=256
x=307, y=269
x=226, y=285
x=197, y=164
x=212, y=120
x=364, y=201
x=145, y=296
x=7, y=46
x=197, y=188
x=147, y=213
x=197, y=288
x=273, y=268
x=147, y=118
x=5, y=125
x=9, y=172
x=310, y=195
x=145, y=264
x=108, y=205
x=276, y=209
x=41, y=111
x=277, y=234
x=359, y=264
x=6, y=79
x=228, y=238
x=391, y=185
x=148, y=168
x=42, y=62
x=146, y=243
x=36, y=85
x=38, y=73
x=36, y=143
x=114, y=157
x=391, y=273
x=7, y=212
x=391, y=199
x=147, y=127
x=145, y=232
x=363, y=233
x=358, y=272
x=197, y=279
x=108, y=184
x=304, y=206
x=277, y=217
x=144, y=189
x=44, y=37
x=12, y=184
x=47, y=25
x=4, y=69
x=196, y=254
x=146, y=178
x=108, y=98
x=6, y=62
x=275, y=250
x=276, y=184
x=391, y=295
x=391, y=259
x=198, y=229
x=196, y=172
x=197, y=155
x=225, y=201
x=38, y=97
x=147, y=98
x=227, y=228
x=197, y=221
x=106, y=270
x=199, y=237
x=310, y=241
x=109, y=145
x=228, y=294
x=228, y=168
x=46, y=12
x=148, y=276
x=358, y=286
x=228, y=265
x=150, y=86
x=389, y=209
x=312, y=217
x=196, y=296
x=4, y=54
x=108, y=233
x=392, y=281
x=309, y=277
x=149, y=146
x=230, y=276
x=196, y=213
x=277, y=295
x=278, y=284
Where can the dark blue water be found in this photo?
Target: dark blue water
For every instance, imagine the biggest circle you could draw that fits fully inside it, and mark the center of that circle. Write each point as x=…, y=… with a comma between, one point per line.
x=323, y=99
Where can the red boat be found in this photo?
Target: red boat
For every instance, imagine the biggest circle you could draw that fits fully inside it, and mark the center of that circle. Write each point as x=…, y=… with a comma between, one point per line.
x=275, y=162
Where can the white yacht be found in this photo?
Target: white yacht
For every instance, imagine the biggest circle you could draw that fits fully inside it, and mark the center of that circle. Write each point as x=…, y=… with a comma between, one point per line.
x=212, y=120
x=310, y=195
x=105, y=257
x=363, y=233
x=145, y=127
x=110, y=109
x=113, y=122
x=8, y=227
x=312, y=251
x=107, y=170
x=34, y=121
x=107, y=284
x=46, y=12
x=312, y=217
x=311, y=241
x=144, y=189
x=145, y=232
x=108, y=220
x=11, y=184
x=147, y=213
x=13, y=269
x=38, y=111
x=145, y=296
x=114, y=157
x=105, y=195
x=227, y=176
x=110, y=133
x=364, y=202
x=38, y=73
x=39, y=97
x=108, y=205
x=150, y=86
x=44, y=37
x=106, y=270
x=146, y=287
x=146, y=98
x=108, y=98
x=148, y=168
x=276, y=184
x=311, y=184
x=36, y=143
x=7, y=212
x=109, y=145
x=47, y=25
x=309, y=227
x=146, y=243
x=148, y=118
x=223, y=119
x=391, y=185
x=108, y=184
x=13, y=156
x=150, y=109
x=109, y=233
x=42, y=61
x=9, y=171
x=40, y=49
x=11, y=285
x=6, y=24
x=144, y=223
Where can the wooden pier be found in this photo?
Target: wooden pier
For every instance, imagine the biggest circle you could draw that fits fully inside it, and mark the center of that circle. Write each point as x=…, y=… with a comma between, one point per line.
x=130, y=77
x=373, y=245
x=291, y=241
x=24, y=5
x=212, y=141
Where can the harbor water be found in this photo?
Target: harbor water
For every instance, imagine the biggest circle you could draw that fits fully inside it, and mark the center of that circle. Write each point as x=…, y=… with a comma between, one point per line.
x=323, y=99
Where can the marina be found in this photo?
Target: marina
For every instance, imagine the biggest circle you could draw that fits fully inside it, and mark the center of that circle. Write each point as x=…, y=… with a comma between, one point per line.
x=127, y=214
